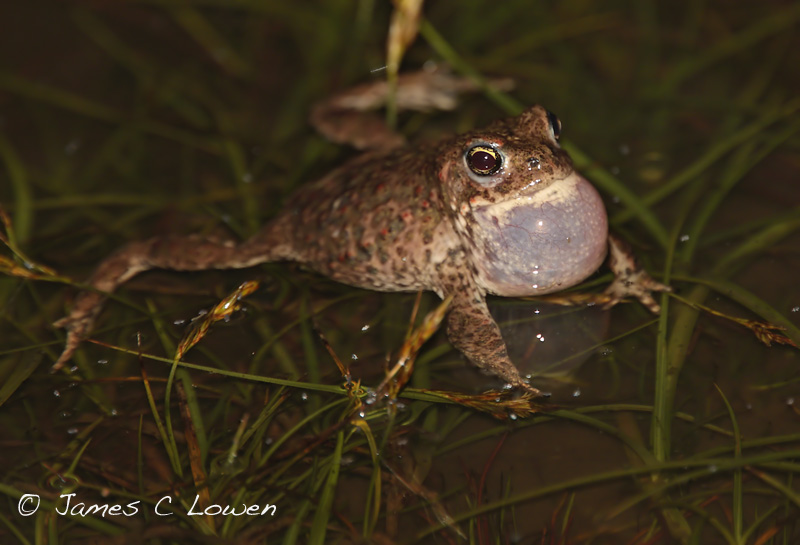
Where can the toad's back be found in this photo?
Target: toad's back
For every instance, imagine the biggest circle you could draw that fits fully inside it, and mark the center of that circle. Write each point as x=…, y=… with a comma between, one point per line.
x=377, y=222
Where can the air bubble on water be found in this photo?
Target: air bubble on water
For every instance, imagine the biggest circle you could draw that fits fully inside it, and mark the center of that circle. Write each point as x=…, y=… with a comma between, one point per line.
x=304, y=396
x=73, y=431
x=231, y=465
x=365, y=327
x=790, y=401
x=57, y=393
x=576, y=393
x=684, y=238
x=72, y=146
x=796, y=309
x=353, y=357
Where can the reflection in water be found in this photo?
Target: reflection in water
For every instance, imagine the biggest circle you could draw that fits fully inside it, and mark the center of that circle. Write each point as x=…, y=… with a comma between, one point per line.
x=548, y=339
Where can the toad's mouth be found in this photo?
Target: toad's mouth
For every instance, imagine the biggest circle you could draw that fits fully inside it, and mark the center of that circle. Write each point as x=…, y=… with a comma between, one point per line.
x=542, y=240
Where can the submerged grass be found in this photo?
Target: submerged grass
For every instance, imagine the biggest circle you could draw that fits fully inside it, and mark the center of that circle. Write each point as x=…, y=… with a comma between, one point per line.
x=190, y=116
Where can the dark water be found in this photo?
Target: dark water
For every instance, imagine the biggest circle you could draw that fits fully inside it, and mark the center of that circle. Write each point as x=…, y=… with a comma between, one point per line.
x=119, y=123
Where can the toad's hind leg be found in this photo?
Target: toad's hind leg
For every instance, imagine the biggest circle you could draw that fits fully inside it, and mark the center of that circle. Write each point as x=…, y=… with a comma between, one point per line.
x=473, y=331
x=175, y=252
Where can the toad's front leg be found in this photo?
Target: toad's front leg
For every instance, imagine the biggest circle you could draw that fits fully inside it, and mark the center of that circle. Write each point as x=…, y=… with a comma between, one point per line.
x=473, y=331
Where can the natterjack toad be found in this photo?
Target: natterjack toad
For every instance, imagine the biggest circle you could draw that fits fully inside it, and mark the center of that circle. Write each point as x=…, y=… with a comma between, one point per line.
x=498, y=210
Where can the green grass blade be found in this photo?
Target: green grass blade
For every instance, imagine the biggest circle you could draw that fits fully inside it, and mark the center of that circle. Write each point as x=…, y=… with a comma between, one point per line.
x=319, y=525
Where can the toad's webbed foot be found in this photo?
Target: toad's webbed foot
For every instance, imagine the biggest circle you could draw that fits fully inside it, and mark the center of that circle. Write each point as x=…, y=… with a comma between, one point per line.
x=473, y=331
x=78, y=324
x=630, y=280
x=349, y=117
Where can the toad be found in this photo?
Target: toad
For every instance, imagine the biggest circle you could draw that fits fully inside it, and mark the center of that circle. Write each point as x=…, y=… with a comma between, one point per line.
x=499, y=210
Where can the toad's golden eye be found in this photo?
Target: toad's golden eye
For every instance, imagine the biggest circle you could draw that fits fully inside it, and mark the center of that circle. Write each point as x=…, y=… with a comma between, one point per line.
x=484, y=160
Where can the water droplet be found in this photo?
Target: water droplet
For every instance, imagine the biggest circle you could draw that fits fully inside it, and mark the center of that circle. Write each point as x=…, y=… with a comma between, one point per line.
x=102, y=362
x=57, y=393
x=365, y=327
x=796, y=309
x=304, y=396
x=346, y=460
x=231, y=465
x=790, y=401
x=576, y=393
x=60, y=484
x=73, y=431
x=684, y=238
x=353, y=357
x=72, y=146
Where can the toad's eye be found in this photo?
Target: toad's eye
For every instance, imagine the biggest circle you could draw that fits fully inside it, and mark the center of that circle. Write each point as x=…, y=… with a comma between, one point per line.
x=555, y=125
x=484, y=160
